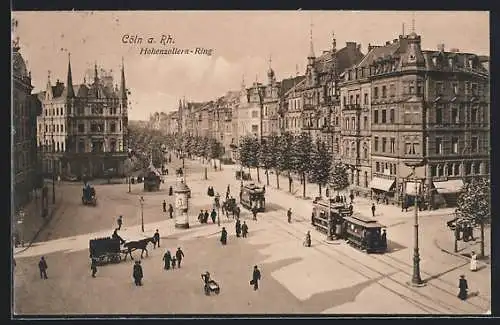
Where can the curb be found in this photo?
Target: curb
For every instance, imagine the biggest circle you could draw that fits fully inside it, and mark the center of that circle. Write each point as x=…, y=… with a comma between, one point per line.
x=42, y=227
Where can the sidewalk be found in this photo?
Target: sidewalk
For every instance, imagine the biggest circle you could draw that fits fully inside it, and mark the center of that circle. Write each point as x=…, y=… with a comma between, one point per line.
x=34, y=223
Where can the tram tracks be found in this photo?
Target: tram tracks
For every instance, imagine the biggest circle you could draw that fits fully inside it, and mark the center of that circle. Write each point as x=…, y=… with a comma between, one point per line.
x=429, y=307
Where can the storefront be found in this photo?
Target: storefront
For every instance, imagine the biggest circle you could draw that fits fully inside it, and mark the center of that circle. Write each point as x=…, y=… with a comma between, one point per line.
x=382, y=189
x=448, y=191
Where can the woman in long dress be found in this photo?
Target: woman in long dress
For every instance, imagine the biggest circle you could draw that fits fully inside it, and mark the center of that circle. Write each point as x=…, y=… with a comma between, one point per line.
x=473, y=262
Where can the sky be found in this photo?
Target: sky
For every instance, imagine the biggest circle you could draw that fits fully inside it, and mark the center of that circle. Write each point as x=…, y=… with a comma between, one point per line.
x=243, y=45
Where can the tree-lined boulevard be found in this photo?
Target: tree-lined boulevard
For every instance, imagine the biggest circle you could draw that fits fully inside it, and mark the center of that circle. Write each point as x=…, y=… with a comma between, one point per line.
x=329, y=277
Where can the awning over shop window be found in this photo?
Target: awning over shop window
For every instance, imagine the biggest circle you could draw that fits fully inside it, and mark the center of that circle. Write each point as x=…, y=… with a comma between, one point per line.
x=410, y=188
x=381, y=184
x=447, y=187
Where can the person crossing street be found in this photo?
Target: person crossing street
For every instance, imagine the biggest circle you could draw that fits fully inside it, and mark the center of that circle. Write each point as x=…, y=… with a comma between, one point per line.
x=179, y=254
x=93, y=267
x=119, y=222
x=170, y=211
x=244, y=230
x=42, y=266
x=156, y=238
x=164, y=204
x=289, y=215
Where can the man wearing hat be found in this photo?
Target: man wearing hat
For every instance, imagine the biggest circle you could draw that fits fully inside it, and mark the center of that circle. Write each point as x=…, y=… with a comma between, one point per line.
x=462, y=285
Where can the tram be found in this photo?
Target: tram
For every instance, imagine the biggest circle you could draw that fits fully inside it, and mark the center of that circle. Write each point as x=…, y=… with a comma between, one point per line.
x=320, y=219
x=252, y=195
x=365, y=234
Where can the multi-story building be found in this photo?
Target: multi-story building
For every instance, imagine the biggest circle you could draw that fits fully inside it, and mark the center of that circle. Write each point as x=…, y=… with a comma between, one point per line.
x=82, y=129
x=313, y=105
x=431, y=106
x=270, y=104
x=24, y=110
x=250, y=110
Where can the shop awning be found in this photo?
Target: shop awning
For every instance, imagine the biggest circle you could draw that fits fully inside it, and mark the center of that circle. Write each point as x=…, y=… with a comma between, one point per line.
x=451, y=186
x=381, y=184
x=410, y=188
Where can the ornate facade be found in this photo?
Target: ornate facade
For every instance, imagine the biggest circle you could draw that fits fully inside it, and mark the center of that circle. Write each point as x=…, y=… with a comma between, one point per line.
x=82, y=129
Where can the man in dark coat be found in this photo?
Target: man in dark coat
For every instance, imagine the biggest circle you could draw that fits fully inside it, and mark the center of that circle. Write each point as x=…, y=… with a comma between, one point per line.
x=201, y=216
x=238, y=228
x=170, y=211
x=383, y=237
x=213, y=215
x=170, y=191
x=166, y=260
x=164, y=204
x=93, y=267
x=116, y=236
x=244, y=230
x=223, y=236
x=289, y=215
x=255, y=277
x=254, y=213
x=137, y=273
x=179, y=254
x=205, y=216
x=119, y=222
x=373, y=209
x=156, y=238
x=462, y=285
x=42, y=266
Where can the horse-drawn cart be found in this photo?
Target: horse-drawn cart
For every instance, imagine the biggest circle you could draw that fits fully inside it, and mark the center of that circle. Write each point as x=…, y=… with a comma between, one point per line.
x=105, y=250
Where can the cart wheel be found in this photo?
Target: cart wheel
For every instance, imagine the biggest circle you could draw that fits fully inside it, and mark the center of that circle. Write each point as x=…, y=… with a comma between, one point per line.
x=217, y=291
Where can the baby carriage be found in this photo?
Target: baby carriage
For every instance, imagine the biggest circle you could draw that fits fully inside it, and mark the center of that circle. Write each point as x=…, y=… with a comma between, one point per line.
x=210, y=285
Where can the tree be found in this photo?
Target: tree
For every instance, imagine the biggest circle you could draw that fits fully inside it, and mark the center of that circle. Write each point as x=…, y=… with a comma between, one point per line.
x=285, y=156
x=215, y=149
x=254, y=154
x=128, y=167
x=474, y=206
x=244, y=151
x=302, y=157
x=274, y=146
x=339, y=177
x=266, y=156
x=321, y=165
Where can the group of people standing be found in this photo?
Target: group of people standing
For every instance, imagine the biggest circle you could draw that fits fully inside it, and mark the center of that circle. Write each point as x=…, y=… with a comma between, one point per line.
x=170, y=261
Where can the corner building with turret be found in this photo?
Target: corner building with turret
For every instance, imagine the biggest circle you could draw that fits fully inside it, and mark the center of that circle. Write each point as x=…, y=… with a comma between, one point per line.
x=82, y=129
x=403, y=104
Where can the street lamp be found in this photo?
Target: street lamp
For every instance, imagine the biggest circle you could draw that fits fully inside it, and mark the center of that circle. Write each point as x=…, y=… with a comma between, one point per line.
x=20, y=223
x=217, y=205
x=141, y=201
x=416, y=280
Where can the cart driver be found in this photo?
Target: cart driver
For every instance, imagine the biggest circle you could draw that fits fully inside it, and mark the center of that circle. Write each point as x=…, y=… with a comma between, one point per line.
x=116, y=236
x=206, y=279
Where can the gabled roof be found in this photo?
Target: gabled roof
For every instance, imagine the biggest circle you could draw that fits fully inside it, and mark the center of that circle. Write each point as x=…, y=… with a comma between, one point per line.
x=393, y=49
x=289, y=83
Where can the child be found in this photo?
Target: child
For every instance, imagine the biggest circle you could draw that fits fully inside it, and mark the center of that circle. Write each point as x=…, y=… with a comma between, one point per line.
x=173, y=262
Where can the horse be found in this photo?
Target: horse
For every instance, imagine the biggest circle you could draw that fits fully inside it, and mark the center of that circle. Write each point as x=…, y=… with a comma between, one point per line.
x=139, y=244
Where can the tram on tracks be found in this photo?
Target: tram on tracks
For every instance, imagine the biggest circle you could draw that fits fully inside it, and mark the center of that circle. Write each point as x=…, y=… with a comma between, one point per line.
x=253, y=196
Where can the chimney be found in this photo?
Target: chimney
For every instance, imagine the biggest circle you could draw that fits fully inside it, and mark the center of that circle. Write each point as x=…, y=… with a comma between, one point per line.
x=350, y=45
x=440, y=47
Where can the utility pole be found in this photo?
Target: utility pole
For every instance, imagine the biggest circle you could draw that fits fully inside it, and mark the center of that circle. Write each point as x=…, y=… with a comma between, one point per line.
x=141, y=201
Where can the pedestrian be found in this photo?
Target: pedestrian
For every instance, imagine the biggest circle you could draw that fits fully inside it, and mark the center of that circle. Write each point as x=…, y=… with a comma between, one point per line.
x=351, y=197
x=255, y=278
x=156, y=238
x=200, y=216
x=164, y=204
x=179, y=254
x=173, y=262
x=373, y=209
x=238, y=228
x=473, y=261
x=170, y=191
x=119, y=222
x=307, y=242
x=244, y=230
x=93, y=267
x=254, y=213
x=223, y=236
x=237, y=210
x=312, y=218
x=170, y=210
x=167, y=258
x=289, y=215
x=462, y=285
x=42, y=266
x=402, y=204
x=383, y=238
x=205, y=216
x=213, y=215
x=137, y=273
